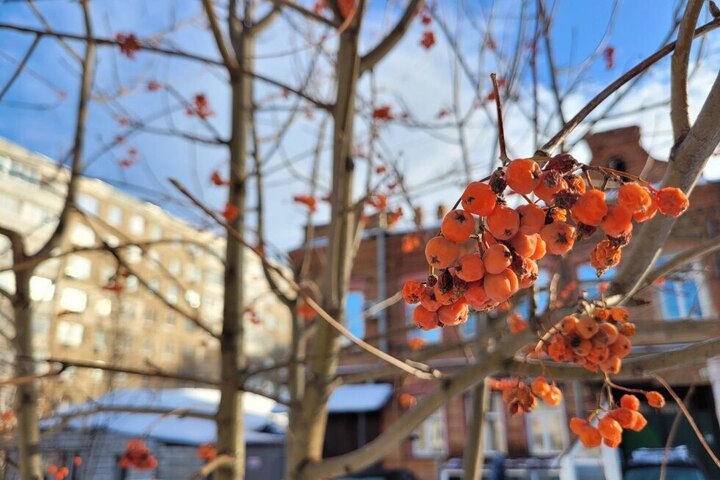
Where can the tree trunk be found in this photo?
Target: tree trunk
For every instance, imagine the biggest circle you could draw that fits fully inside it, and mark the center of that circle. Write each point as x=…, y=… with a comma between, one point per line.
x=26, y=397
x=230, y=420
x=474, y=455
x=310, y=418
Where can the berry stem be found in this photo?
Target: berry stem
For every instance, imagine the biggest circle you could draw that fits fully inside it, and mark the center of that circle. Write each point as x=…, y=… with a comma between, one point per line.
x=501, y=128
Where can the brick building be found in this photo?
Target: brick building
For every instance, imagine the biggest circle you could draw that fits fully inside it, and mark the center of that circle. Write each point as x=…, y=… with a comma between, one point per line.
x=88, y=306
x=683, y=309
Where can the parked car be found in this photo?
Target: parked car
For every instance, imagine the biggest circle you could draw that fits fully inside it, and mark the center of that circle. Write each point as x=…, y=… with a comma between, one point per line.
x=646, y=463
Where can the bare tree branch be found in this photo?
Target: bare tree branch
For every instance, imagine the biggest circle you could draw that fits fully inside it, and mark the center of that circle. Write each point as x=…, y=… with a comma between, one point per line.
x=374, y=56
x=228, y=57
x=20, y=66
x=679, y=109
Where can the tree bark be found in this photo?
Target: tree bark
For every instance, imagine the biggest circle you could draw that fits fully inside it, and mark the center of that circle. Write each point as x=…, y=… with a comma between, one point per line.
x=310, y=418
x=230, y=420
x=474, y=455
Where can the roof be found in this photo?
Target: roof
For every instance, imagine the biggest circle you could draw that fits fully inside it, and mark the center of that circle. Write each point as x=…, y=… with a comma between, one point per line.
x=262, y=425
x=360, y=398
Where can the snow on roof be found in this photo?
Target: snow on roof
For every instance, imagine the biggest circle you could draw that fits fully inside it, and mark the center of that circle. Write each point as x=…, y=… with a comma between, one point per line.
x=363, y=397
x=261, y=424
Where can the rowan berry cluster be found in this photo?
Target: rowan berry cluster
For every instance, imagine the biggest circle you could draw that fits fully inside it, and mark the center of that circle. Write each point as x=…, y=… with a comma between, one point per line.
x=522, y=397
x=596, y=341
x=610, y=426
x=487, y=250
x=137, y=455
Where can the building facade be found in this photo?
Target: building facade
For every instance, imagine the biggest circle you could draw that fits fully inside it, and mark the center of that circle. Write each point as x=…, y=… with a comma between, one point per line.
x=134, y=307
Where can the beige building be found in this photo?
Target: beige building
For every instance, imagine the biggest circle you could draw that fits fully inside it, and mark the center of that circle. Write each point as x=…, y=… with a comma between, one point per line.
x=137, y=310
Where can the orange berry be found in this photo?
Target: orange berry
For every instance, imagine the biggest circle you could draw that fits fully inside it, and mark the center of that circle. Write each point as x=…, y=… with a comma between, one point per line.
x=583, y=348
x=611, y=331
x=412, y=291
x=540, y=387
x=530, y=273
x=524, y=245
x=424, y=318
x=630, y=402
x=577, y=425
x=576, y=184
x=479, y=199
x=503, y=222
x=627, y=329
x=619, y=314
x=587, y=327
x=550, y=183
x=441, y=253
x=640, y=422
x=540, y=249
x=618, y=221
x=457, y=226
x=613, y=442
x=655, y=399
x=612, y=365
x=569, y=325
x=556, y=350
x=470, y=267
x=454, y=314
x=476, y=296
x=532, y=218
x=553, y=397
x=609, y=428
x=559, y=237
x=672, y=201
x=624, y=416
x=643, y=216
x=429, y=301
x=502, y=286
x=634, y=197
x=621, y=346
x=497, y=258
x=590, y=208
x=590, y=437
x=605, y=255
x=523, y=175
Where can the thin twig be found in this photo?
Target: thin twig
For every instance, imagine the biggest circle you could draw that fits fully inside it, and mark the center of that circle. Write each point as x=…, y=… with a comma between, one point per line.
x=501, y=128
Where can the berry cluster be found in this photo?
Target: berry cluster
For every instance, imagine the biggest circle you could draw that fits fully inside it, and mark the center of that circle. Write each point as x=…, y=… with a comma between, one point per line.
x=596, y=341
x=487, y=250
x=58, y=473
x=610, y=427
x=137, y=455
x=521, y=397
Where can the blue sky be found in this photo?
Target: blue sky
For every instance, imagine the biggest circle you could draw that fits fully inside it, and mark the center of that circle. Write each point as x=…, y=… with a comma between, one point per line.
x=34, y=115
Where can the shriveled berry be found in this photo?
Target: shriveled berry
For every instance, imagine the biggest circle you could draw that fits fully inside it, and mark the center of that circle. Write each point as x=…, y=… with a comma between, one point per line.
x=412, y=291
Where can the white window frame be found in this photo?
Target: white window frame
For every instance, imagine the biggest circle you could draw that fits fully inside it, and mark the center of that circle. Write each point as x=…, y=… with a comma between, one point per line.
x=78, y=267
x=69, y=334
x=696, y=276
x=82, y=236
x=558, y=414
x=436, y=419
x=136, y=225
x=70, y=304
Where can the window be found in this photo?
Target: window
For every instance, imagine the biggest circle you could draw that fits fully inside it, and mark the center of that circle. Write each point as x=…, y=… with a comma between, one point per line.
x=133, y=254
x=546, y=431
x=87, y=204
x=73, y=300
x=97, y=375
x=494, y=431
x=590, y=282
x=103, y=307
x=215, y=277
x=79, y=268
x=7, y=280
x=684, y=293
x=131, y=283
x=114, y=216
x=137, y=225
x=188, y=354
x=99, y=341
x=189, y=325
x=128, y=309
x=192, y=274
x=123, y=343
x=192, y=298
x=155, y=232
x=354, y=303
x=148, y=348
x=69, y=334
x=173, y=293
x=41, y=289
x=429, y=336
x=429, y=438
x=150, y=316
x=33, y=214
x=174, y=266
x=82, y=236
x=25, y=173
x=170, y=319
x=169, y=351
